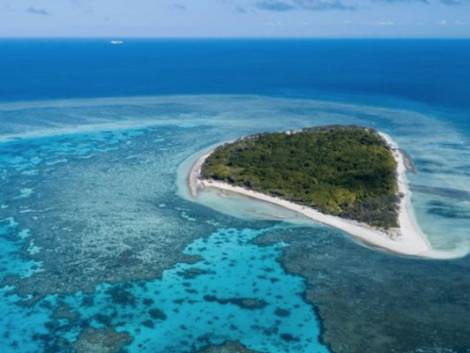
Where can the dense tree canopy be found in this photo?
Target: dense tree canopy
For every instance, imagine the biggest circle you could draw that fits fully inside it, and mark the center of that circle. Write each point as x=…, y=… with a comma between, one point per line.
x=348, y=171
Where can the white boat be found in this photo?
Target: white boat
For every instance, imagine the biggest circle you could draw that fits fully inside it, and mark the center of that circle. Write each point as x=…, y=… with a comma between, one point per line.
x=116, y=42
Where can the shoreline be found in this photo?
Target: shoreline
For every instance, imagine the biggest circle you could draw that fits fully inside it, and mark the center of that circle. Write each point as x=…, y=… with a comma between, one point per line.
x=407, y=240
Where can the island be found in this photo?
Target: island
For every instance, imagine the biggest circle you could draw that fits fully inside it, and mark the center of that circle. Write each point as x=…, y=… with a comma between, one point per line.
x=350, y=177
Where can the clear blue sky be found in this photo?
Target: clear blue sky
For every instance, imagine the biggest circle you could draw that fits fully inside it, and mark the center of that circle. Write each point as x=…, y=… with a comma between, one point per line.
x=235, y=18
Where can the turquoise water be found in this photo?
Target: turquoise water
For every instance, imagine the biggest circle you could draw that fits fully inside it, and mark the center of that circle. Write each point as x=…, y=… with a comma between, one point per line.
x=93, y=223
x=11, y=242
x=187, y=312
x=194, y=305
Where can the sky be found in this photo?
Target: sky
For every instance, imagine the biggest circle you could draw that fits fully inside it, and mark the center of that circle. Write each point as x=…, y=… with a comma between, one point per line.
x=235, y=18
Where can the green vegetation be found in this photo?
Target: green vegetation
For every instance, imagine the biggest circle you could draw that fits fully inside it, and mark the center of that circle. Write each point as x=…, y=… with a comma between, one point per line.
x=347, y=171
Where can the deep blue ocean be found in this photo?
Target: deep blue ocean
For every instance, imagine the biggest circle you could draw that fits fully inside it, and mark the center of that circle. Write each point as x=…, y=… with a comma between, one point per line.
x=102, y=250
x=434, y=72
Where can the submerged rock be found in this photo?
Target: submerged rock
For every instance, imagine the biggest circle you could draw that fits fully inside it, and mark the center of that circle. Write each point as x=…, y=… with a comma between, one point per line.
x=227, y=347
x=101, y=341
x=244, y=303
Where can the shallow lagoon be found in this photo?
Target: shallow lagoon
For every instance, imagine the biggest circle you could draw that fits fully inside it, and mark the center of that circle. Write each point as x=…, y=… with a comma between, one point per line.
x=97, y=235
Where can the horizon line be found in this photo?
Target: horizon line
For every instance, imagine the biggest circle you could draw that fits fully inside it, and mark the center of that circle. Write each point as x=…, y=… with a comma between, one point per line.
x=117, y=37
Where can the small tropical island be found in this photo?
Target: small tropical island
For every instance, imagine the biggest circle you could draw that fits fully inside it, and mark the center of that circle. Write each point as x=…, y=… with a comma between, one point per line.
x=343, y=171
x=350, y=177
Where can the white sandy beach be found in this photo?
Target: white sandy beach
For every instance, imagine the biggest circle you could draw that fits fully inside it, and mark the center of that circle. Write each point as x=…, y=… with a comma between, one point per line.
x=407, y=240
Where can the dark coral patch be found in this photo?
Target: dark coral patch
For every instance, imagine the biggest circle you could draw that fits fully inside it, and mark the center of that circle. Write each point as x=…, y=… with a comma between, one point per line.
x=281, y=312
x=157, y=314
